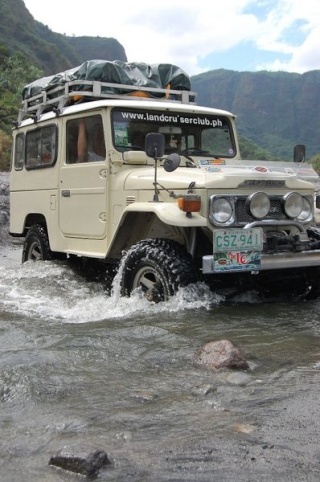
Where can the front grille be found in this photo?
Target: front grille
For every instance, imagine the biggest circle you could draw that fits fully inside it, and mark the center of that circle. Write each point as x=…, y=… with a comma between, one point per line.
x=243, y=215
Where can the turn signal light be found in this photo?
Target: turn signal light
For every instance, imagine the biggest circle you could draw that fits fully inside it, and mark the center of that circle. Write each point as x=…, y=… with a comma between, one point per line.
x=190, y=203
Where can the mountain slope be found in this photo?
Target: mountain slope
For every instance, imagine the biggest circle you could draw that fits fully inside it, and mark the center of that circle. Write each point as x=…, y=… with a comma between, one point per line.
x=50, y=51
x=274, y=109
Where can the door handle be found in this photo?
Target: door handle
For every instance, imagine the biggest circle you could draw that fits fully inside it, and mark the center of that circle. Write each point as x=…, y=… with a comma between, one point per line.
x=65, y=193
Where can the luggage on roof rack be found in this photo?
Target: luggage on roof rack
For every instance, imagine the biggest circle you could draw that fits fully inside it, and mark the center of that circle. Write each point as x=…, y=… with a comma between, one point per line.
x=98, y=79
x=117, y=72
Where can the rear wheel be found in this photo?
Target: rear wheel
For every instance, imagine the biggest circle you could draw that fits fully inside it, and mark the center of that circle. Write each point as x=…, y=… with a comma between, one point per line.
x=159, y=267
x=36, y=245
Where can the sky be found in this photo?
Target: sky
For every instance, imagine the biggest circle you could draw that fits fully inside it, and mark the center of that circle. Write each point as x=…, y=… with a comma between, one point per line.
x=197, y=35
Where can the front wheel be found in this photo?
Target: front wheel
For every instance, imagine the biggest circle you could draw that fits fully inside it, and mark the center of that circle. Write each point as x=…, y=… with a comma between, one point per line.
x=159, y=267
x=36, y=245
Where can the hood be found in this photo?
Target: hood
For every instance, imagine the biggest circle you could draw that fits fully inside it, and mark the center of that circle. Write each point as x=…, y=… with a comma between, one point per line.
x=221, y=174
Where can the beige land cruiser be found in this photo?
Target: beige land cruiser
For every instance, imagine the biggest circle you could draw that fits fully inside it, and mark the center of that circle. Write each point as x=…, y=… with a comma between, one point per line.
x=138, y=177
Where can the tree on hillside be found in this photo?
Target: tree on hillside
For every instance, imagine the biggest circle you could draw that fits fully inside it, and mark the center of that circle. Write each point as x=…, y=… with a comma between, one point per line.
x=315, y=161
x=4, y=53
x=249, y=150
x=15, y=73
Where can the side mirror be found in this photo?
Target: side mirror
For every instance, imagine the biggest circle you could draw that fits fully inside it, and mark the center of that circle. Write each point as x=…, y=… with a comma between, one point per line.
x=172, y=162
x=154, y=145
x=299, y=153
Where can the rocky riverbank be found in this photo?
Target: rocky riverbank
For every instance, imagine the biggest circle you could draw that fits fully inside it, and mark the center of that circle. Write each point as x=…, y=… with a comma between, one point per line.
x=4, y=206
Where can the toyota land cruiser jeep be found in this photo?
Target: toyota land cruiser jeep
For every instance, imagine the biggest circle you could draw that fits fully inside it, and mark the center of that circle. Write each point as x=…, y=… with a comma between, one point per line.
x=144, y=180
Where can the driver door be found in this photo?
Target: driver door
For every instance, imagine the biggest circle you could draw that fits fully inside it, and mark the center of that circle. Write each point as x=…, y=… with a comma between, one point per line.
x=83, y=180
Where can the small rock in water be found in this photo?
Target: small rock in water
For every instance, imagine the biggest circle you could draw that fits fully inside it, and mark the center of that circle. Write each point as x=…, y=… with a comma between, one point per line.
x=244, y=428
x=203, y=390
x=220, y=354
x=85, y=461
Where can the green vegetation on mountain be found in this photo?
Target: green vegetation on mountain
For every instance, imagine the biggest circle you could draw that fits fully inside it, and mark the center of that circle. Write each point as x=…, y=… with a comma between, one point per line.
x=49, y=51
x=275, y=110
x=15, y=72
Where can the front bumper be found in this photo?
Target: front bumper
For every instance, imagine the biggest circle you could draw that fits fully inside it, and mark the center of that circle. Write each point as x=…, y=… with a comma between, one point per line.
x=283, y=260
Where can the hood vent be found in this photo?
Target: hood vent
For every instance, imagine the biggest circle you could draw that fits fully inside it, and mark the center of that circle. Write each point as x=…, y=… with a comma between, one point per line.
x=130, y=200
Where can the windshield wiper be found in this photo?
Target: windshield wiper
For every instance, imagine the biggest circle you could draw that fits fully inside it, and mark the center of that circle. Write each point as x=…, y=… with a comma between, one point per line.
x=190, y=162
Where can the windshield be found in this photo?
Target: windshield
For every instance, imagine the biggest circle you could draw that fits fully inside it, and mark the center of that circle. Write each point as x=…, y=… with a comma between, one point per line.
x=187, y=134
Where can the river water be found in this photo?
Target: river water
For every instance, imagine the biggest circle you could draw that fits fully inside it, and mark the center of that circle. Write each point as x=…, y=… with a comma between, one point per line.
x=86, y=370
x=79, y=367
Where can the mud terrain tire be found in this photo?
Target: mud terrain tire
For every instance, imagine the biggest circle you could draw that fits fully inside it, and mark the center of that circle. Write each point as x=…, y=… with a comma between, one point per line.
x=36, y=245
x=158, y=266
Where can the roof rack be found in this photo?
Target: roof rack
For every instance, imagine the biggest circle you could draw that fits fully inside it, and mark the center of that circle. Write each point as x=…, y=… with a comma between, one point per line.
x=78, y=91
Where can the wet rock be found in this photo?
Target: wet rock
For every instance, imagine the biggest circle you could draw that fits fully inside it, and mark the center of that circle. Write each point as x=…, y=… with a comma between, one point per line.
x=203, y=390
x=244, y=428
x=220, y=354
x=4, y=205
x=5, y=393
x=4, y=190
x=84, y=461
x=125, y=436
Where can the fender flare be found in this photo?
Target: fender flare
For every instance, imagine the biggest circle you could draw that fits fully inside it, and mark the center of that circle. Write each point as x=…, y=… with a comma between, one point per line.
x=169, y=214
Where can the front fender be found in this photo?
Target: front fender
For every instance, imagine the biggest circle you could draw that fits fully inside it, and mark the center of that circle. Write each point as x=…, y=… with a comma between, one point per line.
x=168, y=213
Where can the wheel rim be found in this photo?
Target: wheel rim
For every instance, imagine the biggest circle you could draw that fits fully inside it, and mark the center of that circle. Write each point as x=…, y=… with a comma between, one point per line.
x=35, y=252
x=151, y=282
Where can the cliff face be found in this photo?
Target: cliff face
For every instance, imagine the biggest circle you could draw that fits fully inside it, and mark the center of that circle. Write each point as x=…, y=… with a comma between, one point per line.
x=50, y=51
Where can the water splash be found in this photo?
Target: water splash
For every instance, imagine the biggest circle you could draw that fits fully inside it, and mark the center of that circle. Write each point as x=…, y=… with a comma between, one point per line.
x=47, y=290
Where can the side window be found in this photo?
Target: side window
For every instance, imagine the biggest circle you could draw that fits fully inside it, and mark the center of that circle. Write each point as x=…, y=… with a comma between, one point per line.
x=19, y=152
x=41, y=147
x=85, y=140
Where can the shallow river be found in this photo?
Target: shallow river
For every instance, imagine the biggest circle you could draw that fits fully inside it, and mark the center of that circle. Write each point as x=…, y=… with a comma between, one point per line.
x=79, y=367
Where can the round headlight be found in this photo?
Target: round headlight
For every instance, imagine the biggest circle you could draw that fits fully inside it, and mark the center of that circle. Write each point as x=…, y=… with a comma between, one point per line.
x=293, y=204
x=259, y=205
x=306, y=212
x=221, y=210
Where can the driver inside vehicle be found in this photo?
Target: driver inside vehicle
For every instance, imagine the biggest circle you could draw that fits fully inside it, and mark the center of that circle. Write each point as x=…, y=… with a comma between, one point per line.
x=173, y=137
x=173, y=142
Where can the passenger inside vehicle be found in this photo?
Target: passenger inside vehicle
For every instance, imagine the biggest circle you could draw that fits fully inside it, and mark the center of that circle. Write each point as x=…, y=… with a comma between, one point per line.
x=90, y=144
x=85, y=140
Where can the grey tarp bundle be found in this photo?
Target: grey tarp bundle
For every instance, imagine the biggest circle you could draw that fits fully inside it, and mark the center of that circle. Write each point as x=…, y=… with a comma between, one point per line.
x=158, y=76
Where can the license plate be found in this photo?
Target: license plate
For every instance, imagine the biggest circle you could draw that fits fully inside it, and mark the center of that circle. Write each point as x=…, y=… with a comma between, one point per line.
x=225, y=240
x=233, y=261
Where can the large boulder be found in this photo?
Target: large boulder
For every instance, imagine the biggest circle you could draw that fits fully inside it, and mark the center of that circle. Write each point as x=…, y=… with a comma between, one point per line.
x=220, y=354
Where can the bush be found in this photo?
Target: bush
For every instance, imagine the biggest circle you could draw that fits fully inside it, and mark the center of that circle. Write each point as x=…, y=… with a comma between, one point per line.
x=315, y=161
x=5, y=151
